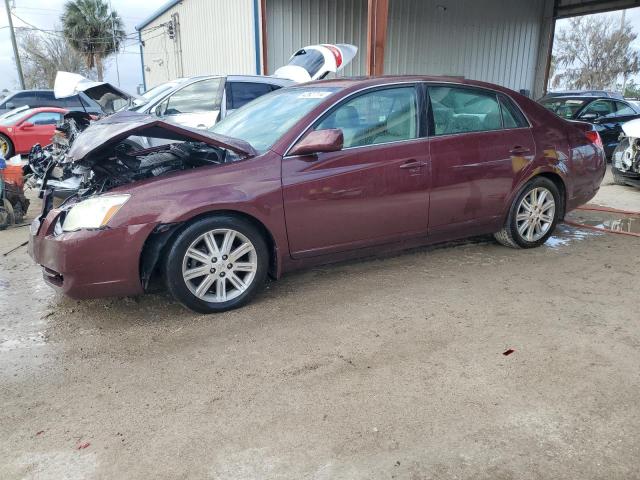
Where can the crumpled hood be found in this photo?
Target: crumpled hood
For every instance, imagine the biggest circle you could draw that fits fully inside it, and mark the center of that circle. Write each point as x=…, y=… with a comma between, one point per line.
x=103, y=93
x=107, y=133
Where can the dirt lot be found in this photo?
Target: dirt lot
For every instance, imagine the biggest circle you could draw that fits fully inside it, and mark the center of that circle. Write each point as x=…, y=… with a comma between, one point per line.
x=383, y=368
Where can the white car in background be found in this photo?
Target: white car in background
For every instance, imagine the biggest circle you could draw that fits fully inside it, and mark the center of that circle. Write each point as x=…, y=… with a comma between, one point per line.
x=201, y=101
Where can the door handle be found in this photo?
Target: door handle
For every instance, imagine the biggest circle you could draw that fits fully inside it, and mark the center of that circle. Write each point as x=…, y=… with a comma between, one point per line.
x=518, y=150
x=413, y=164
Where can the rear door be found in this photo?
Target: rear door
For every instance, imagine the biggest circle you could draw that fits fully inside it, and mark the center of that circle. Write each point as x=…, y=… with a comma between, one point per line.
x=372, y=191
x=480, y=142
x=238, y=93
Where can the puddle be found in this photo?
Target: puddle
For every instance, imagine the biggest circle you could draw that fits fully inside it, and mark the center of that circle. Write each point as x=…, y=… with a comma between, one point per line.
x=615, y=222
x=566, y=235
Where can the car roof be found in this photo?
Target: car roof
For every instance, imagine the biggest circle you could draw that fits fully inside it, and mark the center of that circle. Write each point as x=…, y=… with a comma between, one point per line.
x=363, y=82
x=48, y=109
x=589, y=98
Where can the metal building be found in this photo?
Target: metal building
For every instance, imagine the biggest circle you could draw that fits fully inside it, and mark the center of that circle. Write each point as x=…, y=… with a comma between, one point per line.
x=507, y=42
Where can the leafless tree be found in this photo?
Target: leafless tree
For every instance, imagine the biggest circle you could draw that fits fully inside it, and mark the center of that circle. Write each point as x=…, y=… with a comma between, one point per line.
x=43, y=55
x=592, y=52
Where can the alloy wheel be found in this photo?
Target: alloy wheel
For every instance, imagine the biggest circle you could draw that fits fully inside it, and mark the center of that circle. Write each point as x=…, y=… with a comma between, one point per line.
x=535, y=215
x=4, y=147
x=219, y=265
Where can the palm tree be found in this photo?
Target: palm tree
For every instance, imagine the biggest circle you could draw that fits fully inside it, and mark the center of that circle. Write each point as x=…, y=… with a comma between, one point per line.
x=93, y=31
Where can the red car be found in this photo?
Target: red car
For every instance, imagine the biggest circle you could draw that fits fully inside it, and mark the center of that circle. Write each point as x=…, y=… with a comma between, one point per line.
x=22, y=129
x=307, y=175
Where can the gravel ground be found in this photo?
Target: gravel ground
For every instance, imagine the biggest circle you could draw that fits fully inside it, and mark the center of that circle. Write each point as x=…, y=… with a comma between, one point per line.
x=381, y=368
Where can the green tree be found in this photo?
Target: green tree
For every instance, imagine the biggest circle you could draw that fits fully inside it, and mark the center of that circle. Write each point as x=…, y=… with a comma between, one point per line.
x=632, y=89
x=593, y=51
x=93, y=31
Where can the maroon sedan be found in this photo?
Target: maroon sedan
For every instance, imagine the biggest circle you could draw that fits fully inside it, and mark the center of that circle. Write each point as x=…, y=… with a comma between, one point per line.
x=307, y=175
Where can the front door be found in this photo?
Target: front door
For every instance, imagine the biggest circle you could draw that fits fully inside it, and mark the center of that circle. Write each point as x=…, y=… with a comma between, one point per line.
x=481, y=141
x=39, y=128
x=374, y=190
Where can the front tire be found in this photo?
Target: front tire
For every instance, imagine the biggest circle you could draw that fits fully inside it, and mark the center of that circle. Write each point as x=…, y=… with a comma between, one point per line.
x=533, y=216
x=217, y=264
x=6, y=146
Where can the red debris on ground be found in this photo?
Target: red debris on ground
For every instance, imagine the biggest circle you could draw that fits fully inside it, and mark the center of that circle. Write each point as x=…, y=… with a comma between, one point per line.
x=83, y=445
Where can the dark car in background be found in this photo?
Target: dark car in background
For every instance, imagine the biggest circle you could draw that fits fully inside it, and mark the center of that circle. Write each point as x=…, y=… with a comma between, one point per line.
x=46, y=98
x=310, y=174
x=606, y=114
x=584, y=93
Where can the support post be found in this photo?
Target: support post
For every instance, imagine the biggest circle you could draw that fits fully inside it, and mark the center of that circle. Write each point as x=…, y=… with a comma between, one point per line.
x=263, y=36
x=377, y=16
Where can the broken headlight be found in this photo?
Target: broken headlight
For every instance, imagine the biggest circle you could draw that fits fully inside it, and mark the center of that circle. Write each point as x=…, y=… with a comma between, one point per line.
x=94, y=212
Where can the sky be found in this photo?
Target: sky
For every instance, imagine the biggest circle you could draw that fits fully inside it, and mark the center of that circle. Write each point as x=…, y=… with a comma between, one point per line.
x=45, y=14
x=632, y=18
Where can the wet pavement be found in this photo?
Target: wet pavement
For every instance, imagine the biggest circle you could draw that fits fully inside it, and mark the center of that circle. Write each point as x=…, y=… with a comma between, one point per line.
x=613, y=221
x=382, y=368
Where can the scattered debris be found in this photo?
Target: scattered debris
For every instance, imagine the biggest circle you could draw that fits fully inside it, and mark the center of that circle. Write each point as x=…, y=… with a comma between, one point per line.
x=39, y=433
x=508, y=352
x=23, y=244
x=82, y=446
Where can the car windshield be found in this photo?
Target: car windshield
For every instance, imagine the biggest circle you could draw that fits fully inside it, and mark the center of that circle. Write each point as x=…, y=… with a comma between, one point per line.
x=14, y=116
x=263, y=121
x=564, y=107
x=154, y=92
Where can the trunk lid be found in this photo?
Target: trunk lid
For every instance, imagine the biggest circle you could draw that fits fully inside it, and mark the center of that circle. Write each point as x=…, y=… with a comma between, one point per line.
x=317, y=61
x=109, y=97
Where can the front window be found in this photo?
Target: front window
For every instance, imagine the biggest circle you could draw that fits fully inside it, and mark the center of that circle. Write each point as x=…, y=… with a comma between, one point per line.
x=45, y=118
x=202, y=96
x=597, y=109
x=381, y=116
x=262, y=122
x=564, y=107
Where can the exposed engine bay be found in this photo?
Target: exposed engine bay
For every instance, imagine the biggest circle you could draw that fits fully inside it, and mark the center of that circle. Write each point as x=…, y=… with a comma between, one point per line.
x=86, y=160
x=125, y=165
x=626, y=157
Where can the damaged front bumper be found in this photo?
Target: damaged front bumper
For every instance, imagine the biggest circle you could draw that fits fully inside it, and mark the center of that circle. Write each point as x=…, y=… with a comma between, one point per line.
x=89, y=263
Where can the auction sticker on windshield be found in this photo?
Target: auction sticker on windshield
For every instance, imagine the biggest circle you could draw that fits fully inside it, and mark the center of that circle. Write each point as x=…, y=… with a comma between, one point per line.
x=314, y=94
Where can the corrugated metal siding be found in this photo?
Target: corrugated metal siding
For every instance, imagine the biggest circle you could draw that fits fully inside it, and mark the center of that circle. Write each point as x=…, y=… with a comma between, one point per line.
x=216, y=37
x=490, y=40
x=293, y=24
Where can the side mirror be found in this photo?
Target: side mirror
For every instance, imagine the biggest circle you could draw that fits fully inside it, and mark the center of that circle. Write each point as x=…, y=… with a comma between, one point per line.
x=158, y=110
x=318, y=141
x=589, y=116
x=26, y=125
x=9, y=106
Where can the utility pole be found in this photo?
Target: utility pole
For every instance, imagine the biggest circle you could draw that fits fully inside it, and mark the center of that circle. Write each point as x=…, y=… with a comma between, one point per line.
x=15, y=45
x=623, y=21
x=115, y=47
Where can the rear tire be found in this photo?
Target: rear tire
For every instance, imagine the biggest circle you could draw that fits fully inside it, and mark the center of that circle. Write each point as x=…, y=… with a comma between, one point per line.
x=216, y=264
x=6, y=146
x=533, y=216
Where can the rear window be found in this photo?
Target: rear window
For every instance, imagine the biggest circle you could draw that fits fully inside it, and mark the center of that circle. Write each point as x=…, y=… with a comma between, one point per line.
x=310, y=60
x=241, y=93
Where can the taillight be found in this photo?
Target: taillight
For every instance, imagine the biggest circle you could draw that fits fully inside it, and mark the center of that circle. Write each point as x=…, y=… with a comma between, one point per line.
x=594, y=137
